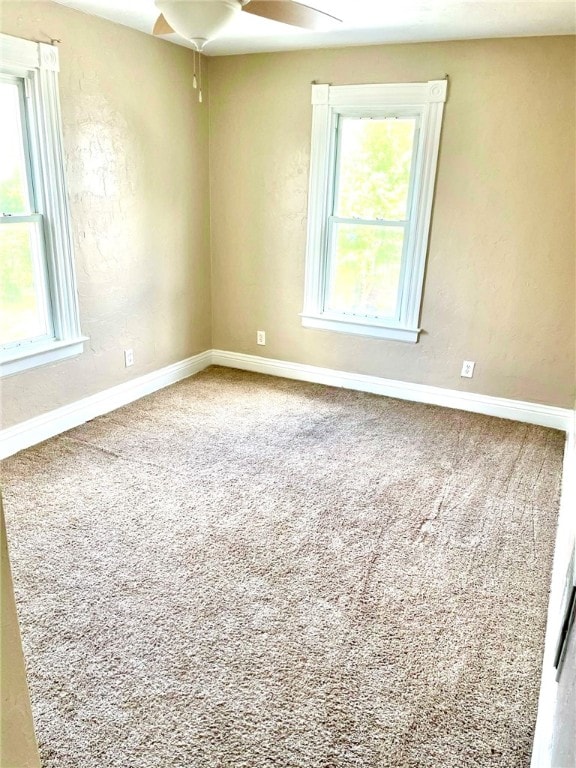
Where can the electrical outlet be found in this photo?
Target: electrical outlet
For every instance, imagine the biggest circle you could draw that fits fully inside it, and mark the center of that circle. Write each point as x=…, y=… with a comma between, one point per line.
x=128, y=357
x=261, y=337
x=467, y=369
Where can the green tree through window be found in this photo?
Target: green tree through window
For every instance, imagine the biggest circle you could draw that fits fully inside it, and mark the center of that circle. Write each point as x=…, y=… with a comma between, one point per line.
x=375, y=158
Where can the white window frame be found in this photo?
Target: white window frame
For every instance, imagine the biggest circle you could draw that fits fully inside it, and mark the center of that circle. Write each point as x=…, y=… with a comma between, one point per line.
x=425, y=101
x=37, y=64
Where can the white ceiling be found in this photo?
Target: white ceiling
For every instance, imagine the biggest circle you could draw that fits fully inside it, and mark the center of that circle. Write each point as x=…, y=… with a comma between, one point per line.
x=364, y=22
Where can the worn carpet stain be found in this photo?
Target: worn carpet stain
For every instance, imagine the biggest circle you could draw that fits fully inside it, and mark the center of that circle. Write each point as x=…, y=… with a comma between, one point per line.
x=248, y=572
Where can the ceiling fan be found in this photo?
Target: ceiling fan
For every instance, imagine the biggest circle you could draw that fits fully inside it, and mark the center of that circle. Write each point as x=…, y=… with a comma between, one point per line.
x=201, y=20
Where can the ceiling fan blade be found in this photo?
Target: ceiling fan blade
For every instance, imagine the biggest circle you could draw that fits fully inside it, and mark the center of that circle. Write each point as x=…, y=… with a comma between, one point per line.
x=289, y=12
x=161, y=27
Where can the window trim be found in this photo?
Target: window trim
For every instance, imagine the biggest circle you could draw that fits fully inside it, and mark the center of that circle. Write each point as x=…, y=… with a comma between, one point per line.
x=38, y=65
x=328, y=103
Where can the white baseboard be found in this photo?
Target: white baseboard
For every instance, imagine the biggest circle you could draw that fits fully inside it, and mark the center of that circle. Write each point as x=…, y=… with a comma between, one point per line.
x=55, y=422
x=517, y=410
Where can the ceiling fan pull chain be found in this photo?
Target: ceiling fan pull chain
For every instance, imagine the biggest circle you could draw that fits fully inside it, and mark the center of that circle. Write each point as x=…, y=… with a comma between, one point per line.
x=194, y=79
x=200, y=76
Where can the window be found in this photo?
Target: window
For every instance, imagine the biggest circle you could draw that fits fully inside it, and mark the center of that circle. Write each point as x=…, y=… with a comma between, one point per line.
x=373, y=167
x=39, y=321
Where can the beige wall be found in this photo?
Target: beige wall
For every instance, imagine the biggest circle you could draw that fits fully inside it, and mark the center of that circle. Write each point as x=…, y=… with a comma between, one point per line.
x=17, y=740
x=136, y=145
x=500, y=282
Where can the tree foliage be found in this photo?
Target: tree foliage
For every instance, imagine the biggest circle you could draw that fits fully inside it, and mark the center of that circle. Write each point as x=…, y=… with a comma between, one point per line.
x=12, y=194
x=375, y=161
x=18, y=302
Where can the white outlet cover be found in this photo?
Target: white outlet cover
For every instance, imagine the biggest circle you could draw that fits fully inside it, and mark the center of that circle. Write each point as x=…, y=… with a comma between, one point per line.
x=467, y=369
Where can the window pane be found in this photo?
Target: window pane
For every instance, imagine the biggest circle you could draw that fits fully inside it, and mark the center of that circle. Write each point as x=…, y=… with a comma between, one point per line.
x=375, y=160
x=14, y=196
x=22, y=305
x=365, y=270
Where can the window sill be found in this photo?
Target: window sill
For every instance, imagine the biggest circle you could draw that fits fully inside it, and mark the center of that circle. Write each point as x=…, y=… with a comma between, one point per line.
x=360, y=328
x=22, y=359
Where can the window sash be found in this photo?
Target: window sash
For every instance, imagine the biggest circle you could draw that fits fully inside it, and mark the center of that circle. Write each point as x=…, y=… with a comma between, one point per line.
x=38, y=242
x=368, y=115
x=23, y=85
x=330, y=262
x=333, y=220
x=368, y=222
x=41, y=279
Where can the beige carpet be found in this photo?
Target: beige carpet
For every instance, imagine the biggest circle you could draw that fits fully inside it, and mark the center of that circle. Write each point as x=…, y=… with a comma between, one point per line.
x=249, y=572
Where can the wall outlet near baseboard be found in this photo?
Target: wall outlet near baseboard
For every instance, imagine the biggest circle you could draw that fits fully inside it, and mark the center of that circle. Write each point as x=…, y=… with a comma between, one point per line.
x=261, y=337
x=128, y=357
x=467, y=369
